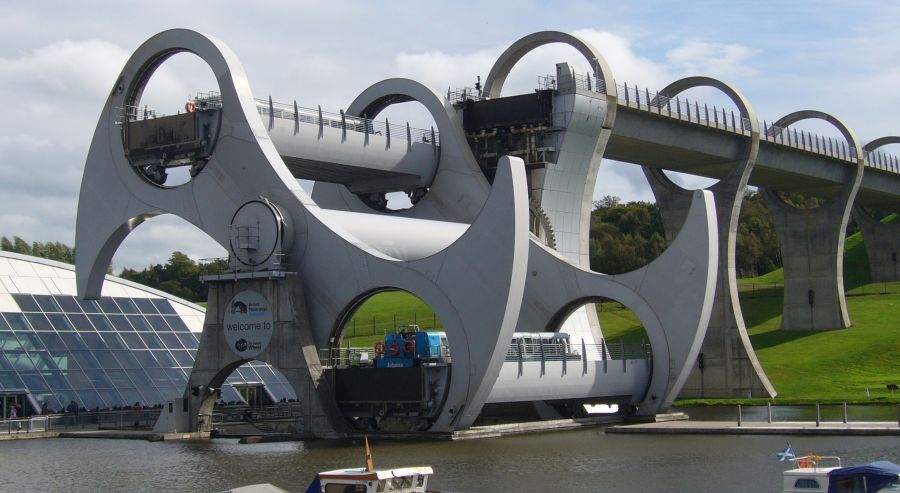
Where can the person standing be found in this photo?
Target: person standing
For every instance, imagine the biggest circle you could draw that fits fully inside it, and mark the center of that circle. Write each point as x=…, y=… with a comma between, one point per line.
x=14, y=414
x=137, y=413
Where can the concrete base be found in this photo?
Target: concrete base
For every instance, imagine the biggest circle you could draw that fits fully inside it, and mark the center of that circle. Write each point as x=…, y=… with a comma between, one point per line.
x=882, y=246
x=812, y=251
x=291, y=351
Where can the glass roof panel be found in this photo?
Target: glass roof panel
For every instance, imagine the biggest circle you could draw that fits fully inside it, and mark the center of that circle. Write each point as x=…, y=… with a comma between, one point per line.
x=163, y=306
x=145, y=306
x=59, y=321
x=26, y=303
x=38, y=321
x=46, y=302
x=127, y=305
x=119, y=322
x=100, y=322
x=68, y=303
x=16, y=321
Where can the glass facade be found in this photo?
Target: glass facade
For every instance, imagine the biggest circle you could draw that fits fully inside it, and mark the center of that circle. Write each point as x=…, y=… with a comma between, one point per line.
x=107, y=353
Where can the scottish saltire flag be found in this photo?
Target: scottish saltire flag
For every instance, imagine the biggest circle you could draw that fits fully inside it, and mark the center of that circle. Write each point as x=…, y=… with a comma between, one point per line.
x=786, y=454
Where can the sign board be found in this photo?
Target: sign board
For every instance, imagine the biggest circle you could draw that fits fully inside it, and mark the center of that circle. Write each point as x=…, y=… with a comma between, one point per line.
x=248, y=324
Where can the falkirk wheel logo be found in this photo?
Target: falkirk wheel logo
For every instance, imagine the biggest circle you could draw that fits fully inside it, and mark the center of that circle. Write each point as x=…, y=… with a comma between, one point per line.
x=241, y=345
x=248, y=324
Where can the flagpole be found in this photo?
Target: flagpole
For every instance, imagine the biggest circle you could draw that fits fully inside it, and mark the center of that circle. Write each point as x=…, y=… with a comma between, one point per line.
x=370, y=464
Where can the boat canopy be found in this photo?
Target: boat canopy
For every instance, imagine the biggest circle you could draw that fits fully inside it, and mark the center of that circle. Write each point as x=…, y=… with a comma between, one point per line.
x=876, y=475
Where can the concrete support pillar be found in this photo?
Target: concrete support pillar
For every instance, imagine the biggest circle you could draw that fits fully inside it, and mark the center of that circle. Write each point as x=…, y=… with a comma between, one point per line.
x=729, y=365
x=812, y=243
x=882, y=240
x=882, y=246
x=812, y=251
x=291, y=351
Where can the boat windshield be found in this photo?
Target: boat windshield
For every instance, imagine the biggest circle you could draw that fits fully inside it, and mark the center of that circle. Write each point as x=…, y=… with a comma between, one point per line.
x=415, y=482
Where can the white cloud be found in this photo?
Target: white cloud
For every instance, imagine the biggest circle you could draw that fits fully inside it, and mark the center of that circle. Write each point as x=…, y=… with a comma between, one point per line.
x=64, y=68
x=712, y=59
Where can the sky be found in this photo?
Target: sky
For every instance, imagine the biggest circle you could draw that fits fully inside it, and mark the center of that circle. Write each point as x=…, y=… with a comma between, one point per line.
x=58, y=61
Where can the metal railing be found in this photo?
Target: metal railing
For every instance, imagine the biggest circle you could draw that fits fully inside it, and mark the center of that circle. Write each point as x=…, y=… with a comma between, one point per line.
x=227, y=265
x=462, y=94
x=344, y=121
x=233, y=414
x=697, y=112
x=85, y=420
x=354, y=356
x=720, y=118
x=552, y=351
x=821, y=414
x=35, y=424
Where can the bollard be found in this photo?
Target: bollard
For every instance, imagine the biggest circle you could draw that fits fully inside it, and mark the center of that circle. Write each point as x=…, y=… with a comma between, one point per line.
x=739, y=416
x=845, y=413
x=769, y=411
x=818, y=416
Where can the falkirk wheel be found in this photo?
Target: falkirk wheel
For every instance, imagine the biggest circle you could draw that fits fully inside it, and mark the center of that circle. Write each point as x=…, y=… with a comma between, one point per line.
x=299, y=264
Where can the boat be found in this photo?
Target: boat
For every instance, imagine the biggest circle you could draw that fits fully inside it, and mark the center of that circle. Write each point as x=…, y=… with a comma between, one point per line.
x=815, y=473
x=362, y=480
x=369, y=480
x=358, y=480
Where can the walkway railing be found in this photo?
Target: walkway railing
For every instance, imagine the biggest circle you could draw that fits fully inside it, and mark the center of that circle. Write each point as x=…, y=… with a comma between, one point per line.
x=699, y=113
x=351, y=123
x=233, y=414
x=354, y=356
x=604, y=351
x=85, y=420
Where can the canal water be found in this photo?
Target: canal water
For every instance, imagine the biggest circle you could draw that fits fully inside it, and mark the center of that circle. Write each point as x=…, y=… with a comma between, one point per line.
x=584, y=460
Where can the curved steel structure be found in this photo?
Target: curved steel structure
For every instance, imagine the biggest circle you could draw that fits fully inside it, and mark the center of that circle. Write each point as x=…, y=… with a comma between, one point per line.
x=458, y=189
x=483, y=275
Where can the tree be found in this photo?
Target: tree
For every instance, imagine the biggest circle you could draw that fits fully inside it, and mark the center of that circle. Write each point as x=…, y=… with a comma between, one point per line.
x=624, y=237
x=758, y=251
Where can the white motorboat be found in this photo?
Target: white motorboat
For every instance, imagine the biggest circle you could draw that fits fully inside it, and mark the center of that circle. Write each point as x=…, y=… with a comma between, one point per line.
x=824, y=474
x=369, y=480
x=359, y=480
x=362, y=480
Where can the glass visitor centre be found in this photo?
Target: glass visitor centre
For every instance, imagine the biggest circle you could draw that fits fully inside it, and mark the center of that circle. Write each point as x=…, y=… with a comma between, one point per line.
x=135, y=344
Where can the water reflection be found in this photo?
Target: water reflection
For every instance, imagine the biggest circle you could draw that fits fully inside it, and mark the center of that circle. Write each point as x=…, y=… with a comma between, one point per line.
x=586, y=460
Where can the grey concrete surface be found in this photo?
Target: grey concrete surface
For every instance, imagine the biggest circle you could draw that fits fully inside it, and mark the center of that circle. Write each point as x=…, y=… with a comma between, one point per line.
x=812, y=244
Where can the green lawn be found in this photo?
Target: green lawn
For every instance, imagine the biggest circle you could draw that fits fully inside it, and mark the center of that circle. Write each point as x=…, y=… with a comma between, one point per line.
x=383, y=313
x=620, y=323
x=835, y=365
